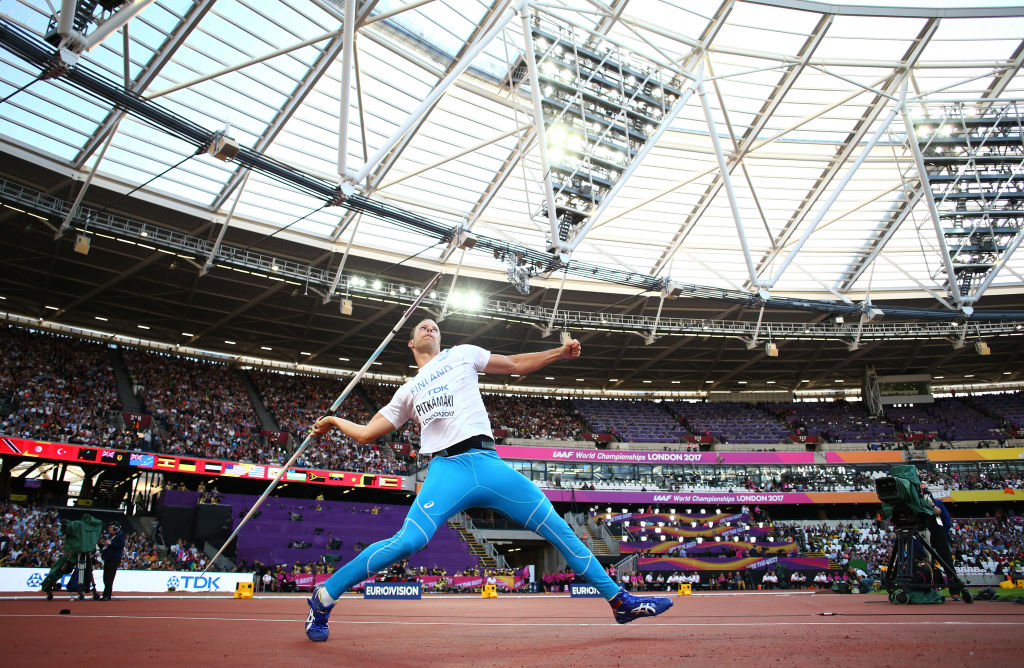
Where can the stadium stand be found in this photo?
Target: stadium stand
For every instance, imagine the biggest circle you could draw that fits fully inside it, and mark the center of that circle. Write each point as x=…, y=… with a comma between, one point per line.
x=56, y=388
x=643, y=421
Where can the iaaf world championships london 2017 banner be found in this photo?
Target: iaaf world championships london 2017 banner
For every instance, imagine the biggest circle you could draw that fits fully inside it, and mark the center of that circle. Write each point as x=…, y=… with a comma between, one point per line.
x=652, y=457
x=734, y=498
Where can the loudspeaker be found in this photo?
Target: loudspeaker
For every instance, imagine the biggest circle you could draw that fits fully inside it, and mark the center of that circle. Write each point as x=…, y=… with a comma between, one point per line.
x=82, y=243
x=982, y=348
x=346, y=307
x=771, y=350
x=223, y=147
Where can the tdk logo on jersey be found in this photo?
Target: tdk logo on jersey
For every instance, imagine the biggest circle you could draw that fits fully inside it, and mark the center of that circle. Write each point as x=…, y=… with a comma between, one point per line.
x=577, y=590
x=393, y=590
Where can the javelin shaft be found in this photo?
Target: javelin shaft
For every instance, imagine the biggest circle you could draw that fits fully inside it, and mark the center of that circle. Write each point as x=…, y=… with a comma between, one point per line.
x=333, y=408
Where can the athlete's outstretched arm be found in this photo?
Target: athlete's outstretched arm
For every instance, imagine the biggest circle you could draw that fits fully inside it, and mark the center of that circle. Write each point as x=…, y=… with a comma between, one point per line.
x=361, y=433
x=530, y=362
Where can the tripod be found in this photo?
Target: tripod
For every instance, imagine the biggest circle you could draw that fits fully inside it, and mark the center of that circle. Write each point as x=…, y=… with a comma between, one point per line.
x=899, y=577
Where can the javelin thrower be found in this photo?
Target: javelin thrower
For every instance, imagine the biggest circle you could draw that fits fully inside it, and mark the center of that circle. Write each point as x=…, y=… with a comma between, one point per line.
x=465, y=472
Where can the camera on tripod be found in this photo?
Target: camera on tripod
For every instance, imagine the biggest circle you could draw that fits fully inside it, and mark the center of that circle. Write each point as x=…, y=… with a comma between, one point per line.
x=906, y=506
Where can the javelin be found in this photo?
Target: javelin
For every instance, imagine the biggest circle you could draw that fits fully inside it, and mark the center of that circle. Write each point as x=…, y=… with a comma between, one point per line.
x=332, y=409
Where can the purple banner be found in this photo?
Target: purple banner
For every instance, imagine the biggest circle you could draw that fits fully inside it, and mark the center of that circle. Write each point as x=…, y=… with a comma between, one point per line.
x=605, y=456
x=654, y=457
x=611, y=498
x=766, y=457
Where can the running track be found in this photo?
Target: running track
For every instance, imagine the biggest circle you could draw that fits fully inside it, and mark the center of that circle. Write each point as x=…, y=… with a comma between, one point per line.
x=734, y=629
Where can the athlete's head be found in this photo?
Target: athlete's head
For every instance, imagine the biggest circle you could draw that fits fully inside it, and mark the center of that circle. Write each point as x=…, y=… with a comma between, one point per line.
x=426, y=337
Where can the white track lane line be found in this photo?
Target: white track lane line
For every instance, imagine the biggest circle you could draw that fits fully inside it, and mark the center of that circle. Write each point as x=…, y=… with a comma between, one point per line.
x=462, y=623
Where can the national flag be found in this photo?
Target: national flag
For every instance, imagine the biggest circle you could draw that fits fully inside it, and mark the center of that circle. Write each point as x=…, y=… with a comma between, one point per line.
x=336, y=476
x=311, y=476
x=235, y=469
x=113, y=457
x=166, y=462
x=272, y=471
x=213, y=467
x=186, y=465
x=10, y=446
x=87, y=454
x=295, y=476
x=137, y=459
x=36, y=450
x=256, y=471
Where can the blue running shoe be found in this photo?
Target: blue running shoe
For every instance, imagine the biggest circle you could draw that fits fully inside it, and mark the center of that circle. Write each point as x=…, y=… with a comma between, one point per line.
x=628, y=607
x=316, y=622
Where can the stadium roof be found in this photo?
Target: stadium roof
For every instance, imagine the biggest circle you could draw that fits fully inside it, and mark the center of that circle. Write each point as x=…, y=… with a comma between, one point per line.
x=820, y=198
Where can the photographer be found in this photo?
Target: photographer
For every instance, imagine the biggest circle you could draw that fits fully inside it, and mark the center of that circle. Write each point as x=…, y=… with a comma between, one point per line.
x=113, y=550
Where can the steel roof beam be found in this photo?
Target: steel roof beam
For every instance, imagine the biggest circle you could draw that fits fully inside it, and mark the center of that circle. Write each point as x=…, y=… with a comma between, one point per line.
x=304, y=87
x=857, y=266
x=747, y=143
x=373, y=181
x=861, y=128
x=417, y=116
x=156, y=64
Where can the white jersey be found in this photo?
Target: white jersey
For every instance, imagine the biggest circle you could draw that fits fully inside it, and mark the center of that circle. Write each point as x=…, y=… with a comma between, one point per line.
x=444, y=398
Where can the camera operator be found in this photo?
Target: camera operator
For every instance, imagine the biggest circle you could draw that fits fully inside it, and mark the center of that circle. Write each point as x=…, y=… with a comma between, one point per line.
x=938, y=527
x=113, y=550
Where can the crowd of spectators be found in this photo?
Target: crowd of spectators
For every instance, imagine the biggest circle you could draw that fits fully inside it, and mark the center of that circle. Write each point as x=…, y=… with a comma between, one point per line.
x=32, y=535
x=57, y=388
x=379, y=395
x=993, y=543
x=296, y=401
x=62, y=389
x=533, y=417
x=955, y=481
x=201, y=407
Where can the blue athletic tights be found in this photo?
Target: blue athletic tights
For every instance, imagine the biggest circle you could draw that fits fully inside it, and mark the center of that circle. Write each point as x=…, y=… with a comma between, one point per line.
x=474, y=479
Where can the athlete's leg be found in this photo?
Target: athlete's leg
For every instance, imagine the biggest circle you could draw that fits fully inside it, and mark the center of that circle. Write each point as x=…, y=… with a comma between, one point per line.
x=444, y=493
x=509, y=492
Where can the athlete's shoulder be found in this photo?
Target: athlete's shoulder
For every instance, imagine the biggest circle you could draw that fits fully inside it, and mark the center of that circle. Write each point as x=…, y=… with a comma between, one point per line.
x=474, y=355
x=469, y=350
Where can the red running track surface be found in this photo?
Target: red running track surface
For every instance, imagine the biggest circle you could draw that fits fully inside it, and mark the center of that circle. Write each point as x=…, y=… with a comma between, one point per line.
x=734, y=629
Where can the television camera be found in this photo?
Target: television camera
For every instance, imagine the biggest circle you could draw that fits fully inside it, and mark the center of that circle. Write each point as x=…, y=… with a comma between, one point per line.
x=910, y=512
